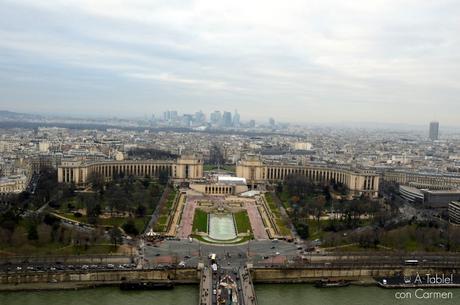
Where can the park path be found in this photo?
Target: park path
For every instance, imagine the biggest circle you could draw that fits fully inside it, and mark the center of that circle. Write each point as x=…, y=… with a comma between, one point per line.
x=186, y=224
x=255, y=219
x=172, y=230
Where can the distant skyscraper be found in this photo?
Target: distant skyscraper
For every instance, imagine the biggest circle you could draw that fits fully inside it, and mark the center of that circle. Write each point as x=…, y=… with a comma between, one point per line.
x=200, y=117
x=271, y=122
x=252, y=123
x=186, y=120
x=167, y=115
x=170, y=115
x=227, y=119
x=215, y=117
x=434, y=130
x=236, y=119
x=174, y=115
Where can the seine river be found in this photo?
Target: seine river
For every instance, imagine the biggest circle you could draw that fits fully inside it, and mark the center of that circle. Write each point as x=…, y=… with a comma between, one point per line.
x=266, y=294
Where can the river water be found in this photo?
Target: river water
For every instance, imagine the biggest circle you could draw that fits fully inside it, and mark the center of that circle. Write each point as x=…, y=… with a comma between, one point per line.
x=297, y=294
x=301, y=294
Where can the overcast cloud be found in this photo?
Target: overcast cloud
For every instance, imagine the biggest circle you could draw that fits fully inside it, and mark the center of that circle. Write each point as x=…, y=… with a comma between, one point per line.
x=301, y=61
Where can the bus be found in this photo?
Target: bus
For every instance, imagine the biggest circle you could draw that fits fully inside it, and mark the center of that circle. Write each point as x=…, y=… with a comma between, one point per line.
x=411, y=262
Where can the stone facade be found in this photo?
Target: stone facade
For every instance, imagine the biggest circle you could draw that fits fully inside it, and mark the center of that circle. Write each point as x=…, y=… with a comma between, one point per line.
x=184, y=168
x=13, y=184
x=430, y=181
x=218, y=188
x=358, y=181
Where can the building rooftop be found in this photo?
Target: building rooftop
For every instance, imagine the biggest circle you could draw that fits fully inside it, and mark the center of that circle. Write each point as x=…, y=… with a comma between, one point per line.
x=231, y=180
x=442, y=191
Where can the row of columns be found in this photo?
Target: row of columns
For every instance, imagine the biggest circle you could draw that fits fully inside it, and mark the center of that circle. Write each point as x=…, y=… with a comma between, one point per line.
x=405, y=178
x=369, y=182
x=68, y=175
x=218, y=190
x=108, y=170
x=440, y=181
x=280, y=173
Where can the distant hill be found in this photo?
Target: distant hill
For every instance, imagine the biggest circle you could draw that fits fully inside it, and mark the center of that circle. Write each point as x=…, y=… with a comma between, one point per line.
x=6, y=115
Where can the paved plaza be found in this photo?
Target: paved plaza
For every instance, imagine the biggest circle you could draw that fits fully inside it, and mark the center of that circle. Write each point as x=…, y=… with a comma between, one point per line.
x=186, y=223
x=232, y=203
x=258, y=228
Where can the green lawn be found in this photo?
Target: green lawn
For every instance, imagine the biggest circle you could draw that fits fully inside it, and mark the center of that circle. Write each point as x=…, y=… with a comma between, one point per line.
x=170, y=201
x=242, y=222
x=412, y=245
x=269, y=198
x=282, y=226
x=160, y=226
x=200, y=221
x=209, y=167
x=54, y=248
x=316, y=231
x=73, y=217
x=272, y=205
x=139, y=222
x=284, y=230
x=165, y=212
x=284, y=198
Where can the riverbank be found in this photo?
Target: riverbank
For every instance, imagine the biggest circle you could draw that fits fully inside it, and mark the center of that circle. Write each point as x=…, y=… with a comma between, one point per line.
x=267, y=294
x=79, y=279
x=52, y=286
x=56, y=280
x=180, y=295
x=364, y=282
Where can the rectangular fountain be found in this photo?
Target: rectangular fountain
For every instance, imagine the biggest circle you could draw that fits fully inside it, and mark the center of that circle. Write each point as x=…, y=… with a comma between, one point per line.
x=222, y=227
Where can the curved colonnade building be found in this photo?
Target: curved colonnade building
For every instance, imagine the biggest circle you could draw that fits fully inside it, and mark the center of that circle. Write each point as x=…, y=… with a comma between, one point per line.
x=359, y=182
x=184, y=168
x=256, y=171
x=189, y=168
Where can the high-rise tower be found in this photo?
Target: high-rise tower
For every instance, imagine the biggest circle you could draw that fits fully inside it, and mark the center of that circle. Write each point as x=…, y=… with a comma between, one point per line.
x=434, y=131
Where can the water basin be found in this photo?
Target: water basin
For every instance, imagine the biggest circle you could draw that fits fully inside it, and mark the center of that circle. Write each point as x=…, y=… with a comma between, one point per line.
x=221, y=227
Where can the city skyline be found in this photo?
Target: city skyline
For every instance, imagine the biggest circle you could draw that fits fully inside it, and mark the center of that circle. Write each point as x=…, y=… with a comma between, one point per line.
x=177, y=118
x=309, y=62
x=229, y=152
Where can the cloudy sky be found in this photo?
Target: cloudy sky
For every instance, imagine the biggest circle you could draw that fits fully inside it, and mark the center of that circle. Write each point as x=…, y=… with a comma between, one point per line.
x=392, y=61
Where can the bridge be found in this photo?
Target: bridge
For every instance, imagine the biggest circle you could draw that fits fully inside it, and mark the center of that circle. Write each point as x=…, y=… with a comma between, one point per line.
x=226, y=286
